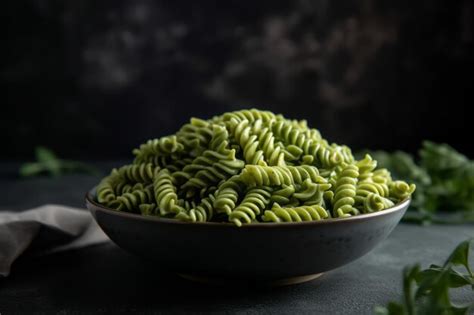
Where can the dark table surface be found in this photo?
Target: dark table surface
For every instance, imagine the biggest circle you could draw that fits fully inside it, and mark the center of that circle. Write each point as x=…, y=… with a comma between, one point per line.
x=106, y=279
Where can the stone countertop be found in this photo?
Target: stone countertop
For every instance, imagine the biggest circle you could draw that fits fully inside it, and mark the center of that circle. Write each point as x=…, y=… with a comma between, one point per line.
x=106, y=279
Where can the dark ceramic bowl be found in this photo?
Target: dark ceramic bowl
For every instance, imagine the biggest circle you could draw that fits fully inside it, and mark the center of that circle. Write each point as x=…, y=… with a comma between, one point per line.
x=280, y=253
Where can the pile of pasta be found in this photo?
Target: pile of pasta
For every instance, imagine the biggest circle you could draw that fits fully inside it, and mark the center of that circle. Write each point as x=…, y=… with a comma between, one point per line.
x=249, y=166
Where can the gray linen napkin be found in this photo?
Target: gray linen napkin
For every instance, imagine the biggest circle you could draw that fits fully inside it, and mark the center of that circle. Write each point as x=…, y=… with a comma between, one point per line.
x=46, y=229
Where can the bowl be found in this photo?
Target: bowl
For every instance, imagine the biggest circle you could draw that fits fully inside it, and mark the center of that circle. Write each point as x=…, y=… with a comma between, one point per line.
x=274, y=253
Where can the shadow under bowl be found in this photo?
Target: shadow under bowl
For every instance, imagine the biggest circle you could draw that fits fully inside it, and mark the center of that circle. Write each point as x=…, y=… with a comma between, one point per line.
x=274, y=253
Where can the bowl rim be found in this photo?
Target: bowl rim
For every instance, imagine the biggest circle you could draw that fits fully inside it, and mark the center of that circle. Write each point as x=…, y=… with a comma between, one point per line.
x=89, y=197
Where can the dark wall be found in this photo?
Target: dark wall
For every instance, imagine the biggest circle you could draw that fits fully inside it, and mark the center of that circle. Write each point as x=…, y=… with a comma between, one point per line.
x=93, y=79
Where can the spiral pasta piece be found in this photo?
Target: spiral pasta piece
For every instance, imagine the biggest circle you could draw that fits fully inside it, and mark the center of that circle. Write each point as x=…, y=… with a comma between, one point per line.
x=273, y=154
x=312, y=193
x=148, y=209
x=373, y=203
x=138, y=173
x=228, y=195
x=131, y=201
x=297, y=214
x=345, y=192
x=248, y=115
x=284, y=195
x=208, y=169
x=157, y=147
x=125, y=187
x=400, y=190
x=214, y=165
x=257, y=175
x=195, y=136
x=366, y=167
x=382, y=176
x=311, y=144
x=252, y=204
x=202, y=213
x=247, y=141
x=304, y=172
x=345, y=152
x=106, y=192
x=165, y=193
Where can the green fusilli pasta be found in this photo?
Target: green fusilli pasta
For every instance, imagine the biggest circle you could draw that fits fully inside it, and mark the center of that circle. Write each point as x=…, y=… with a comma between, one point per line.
x=295, y=214
x=254, y=202
x=345, y=191
x=249, y=166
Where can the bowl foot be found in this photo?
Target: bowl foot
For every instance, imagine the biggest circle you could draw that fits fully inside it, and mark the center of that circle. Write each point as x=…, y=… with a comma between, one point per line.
x=229, y=281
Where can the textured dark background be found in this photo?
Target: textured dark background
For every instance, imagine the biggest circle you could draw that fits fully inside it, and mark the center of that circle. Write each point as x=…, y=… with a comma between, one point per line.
x=93, y=79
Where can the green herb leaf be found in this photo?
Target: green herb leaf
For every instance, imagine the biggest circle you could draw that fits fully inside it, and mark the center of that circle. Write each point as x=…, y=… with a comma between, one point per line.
x=73, y=166
x=49, y=163
x=31, y=169
x=460, y=256
x=441, y=158
x=444, y=179
x=426, y=292
x=456, y=279
x=409, y=276
x=44, y=155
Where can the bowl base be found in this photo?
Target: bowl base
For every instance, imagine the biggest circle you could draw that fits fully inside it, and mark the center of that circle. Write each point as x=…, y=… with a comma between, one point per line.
x=227, y=281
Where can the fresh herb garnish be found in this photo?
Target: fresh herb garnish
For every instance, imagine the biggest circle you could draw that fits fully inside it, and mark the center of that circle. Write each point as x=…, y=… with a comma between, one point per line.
x=444, y=181
x=48, y=163
x=426, y=292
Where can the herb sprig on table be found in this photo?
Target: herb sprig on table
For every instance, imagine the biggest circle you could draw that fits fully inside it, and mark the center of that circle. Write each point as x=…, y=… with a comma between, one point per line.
x=444, y=179
x=48, y=163
x=426, y=292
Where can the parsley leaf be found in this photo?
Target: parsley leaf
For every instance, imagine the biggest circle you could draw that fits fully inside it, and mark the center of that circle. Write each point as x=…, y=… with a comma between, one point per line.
x=426, y=292
x=48, y=163
x=444, y=181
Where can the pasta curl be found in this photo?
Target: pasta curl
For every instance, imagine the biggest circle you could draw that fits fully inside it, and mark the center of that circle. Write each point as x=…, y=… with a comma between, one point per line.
x=345, y=192
x=297, y=214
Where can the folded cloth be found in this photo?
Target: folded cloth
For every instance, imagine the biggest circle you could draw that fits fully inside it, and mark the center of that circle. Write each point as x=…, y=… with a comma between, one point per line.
x=44, y=230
